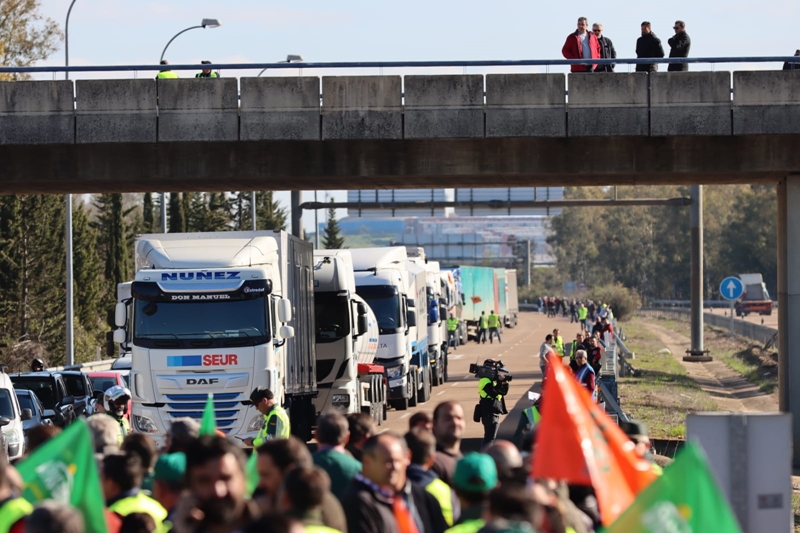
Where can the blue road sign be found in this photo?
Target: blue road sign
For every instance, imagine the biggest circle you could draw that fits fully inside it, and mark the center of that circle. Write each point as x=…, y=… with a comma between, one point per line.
x=731, y=288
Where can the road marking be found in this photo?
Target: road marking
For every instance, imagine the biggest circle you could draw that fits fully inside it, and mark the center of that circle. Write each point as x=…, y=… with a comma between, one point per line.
x=439, y=393
x=459, y=356
x=406, y=415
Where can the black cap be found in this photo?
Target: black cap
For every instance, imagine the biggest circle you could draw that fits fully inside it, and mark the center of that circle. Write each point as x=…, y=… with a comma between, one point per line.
x=205, y=62
x=634, y=429
x=259, y=393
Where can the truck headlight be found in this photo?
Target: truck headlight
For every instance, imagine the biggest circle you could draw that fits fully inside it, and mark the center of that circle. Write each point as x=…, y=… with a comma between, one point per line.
x=144, y=424
x=394, y=372
x=256, y=423
x=11, y=436
x=341, y=400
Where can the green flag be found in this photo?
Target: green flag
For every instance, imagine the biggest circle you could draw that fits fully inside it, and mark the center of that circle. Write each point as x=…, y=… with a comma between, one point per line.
x=686, y=499
x=64, y=469
x=208, y=425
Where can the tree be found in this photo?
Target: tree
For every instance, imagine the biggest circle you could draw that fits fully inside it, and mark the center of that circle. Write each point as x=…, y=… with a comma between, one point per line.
x=269, y=213
x=332, y=240
x=114, y=238
x=148, y=221
x=25, y=35
x=177, y=215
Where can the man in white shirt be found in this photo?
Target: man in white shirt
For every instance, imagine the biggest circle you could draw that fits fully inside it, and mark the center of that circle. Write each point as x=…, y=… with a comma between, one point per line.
x=544, y=352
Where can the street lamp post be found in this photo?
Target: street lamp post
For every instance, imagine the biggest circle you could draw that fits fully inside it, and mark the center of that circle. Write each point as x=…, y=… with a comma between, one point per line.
x=290, y=58
x=206, y=23
x=70, y=329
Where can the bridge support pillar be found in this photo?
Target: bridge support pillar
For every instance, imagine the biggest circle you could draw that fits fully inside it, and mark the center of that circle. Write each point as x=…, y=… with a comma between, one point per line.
x=297, y=214
x=789, y=305
x=697, y=353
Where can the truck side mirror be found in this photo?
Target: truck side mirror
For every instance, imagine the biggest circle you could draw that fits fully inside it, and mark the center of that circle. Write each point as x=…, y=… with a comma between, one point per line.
x=363, y=324
x=286, y=332
x=4, y=421
x=67, y=400
x=119, y=337
x=111, y=348
x=411, y=318
x=442, y=312
x=284, y=310
x=120, y=315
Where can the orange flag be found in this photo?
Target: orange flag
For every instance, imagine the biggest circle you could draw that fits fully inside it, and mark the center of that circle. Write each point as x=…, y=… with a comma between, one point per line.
x=577, y=442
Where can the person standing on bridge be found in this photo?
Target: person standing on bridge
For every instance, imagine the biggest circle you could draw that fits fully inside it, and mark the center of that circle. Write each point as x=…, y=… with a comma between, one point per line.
x=493, y=322
x=679, y=45
x=581, y=44
x=452, y=332
x=607, y=50
x=648, y=45
x=207, y=72
x=792, y=66
x=166, y=73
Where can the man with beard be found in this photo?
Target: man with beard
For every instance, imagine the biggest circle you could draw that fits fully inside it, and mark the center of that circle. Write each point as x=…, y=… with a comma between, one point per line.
x=216, y=484
x=382, y=500
x=648, y=45
x=448, y=426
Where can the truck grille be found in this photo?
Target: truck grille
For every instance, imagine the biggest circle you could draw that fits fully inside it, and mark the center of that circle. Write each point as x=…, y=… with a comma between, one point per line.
x=192, y=406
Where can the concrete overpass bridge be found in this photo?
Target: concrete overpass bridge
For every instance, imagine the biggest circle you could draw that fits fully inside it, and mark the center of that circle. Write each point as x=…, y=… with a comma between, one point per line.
x=391, y=132
x=419, y=131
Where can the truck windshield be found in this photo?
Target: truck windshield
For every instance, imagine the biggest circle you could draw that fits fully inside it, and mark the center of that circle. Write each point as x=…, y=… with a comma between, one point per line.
x=331, y=316
x=42, y=387
x=385, y=303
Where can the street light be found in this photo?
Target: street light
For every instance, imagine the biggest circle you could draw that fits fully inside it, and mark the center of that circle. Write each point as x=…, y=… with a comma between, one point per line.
x=290, y=58
x=70, y=331
x=206, y=23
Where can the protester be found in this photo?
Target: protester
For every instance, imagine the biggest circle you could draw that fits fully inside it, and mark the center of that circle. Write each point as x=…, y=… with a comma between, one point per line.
x=13, y=509
x=637, y=432
x=276, y=419
x=138, y=523
x=475, y=476
x=105, y=433
x=421, y=419
x=362, y=427
x=558, y=342
x=166, y=73
x=332, y=433
x=511, y=508
x=581, y=44
x=422, y=446
x=679, y=45
x=168, y=475
x=508, y=462
x=276, y=458
x=53, y=517
x=40, y=434
x=206, y=72
x=527, y=421
x=483, y=326
x=607, y=51
x=448, y=427
x=607, y=327
x=145, y=448
x=545, y=350
x=215, y=482
x=452, y=332
x=304, y=491
x=594, y=355
x=183, y=432
x=382, y=500
x=493, y=323
x=275, y=523
x=585, y=373
x=121, y=480
x=648, y=45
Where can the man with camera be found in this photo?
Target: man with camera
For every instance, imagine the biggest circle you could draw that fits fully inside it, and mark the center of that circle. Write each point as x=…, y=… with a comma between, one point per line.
x=492, y=388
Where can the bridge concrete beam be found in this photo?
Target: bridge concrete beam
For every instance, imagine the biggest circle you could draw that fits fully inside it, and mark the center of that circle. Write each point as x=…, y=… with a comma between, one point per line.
x=396, y=164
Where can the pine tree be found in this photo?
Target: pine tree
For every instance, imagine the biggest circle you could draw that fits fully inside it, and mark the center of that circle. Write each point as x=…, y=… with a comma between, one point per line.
x=332, y=239
x=269, y=213
x=177, y=215
x=88, y=283
x=218, y=212
x=148, y=220
x=115, y=246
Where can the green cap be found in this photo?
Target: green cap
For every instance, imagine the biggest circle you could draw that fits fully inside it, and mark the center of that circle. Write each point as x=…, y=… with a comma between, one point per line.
x=170, y=467
x=475, y=472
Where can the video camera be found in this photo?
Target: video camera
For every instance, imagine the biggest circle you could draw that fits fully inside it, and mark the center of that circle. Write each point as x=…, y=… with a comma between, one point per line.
x=490, y=369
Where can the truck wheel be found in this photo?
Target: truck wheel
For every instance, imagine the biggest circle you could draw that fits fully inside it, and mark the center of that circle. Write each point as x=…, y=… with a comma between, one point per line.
x=427, y=387
x=444, y=371
x=400, y=405
x=412, y=401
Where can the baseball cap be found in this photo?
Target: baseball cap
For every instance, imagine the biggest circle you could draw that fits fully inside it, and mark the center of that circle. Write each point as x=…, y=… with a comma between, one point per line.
x=170, y=467
x=259, y=393
x=475, y=472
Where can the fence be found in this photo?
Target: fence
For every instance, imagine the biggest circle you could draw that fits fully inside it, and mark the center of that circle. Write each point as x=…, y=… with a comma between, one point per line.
x=761, y=334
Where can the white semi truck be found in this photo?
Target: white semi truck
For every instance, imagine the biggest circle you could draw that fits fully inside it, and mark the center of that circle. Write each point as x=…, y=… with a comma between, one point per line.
x=346, y=341
x=382, y=281
x=437, y=320
x=418, y=329
x=221, y=314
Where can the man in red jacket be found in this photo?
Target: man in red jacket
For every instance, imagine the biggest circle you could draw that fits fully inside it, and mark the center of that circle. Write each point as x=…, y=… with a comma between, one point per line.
x=582, y=44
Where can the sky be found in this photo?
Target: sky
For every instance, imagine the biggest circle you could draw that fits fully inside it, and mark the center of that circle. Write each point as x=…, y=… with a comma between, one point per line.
x=129, y=32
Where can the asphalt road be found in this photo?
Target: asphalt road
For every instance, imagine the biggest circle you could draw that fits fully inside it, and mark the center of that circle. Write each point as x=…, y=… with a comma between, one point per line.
x=519, y=351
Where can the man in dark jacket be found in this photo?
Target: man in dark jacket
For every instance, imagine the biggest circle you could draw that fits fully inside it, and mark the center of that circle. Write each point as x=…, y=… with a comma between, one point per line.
x=382, y=500
x=679, y=45
x=648, y=45
x=792, y=66
x=581, y=44
x=606, y=52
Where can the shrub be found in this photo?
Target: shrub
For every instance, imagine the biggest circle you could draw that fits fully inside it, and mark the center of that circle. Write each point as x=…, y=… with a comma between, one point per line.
x=624, y=302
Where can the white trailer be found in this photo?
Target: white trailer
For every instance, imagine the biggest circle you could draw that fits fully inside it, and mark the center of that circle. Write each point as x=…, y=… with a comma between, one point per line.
x=220, y=314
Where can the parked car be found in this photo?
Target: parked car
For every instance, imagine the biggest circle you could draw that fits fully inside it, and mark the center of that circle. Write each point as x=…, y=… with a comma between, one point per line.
x=79, y=386
x=102, y=381
x=12, y=430
x=50, y=388
x=28, y=400
x=123, y=365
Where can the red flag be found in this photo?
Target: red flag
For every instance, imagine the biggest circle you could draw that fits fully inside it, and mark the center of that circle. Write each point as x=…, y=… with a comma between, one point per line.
x=576, y=441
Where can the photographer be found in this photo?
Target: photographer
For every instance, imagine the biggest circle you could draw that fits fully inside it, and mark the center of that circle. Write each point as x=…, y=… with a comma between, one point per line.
x=492, y=388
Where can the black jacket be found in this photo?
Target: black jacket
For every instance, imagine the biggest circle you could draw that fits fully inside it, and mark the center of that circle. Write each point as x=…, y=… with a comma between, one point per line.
x=606, y=52
x=370, y=512
x=648, y=46
x=679, y=46
x=791, y=66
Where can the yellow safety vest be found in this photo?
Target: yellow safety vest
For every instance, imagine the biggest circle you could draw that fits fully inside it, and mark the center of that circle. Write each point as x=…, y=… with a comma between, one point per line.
x=470, y=526
x=141, y=503
x=482, y=393
x=558, y=344
x=12, y=511
x=320, y=529
x=441, y=491
x=166, y=75
x=582, y=313
x=483, y=322
x=124, y=429
x=533, y=415
x=494, y=320
x=283, y=429
x=452, y=324
x=657, y=470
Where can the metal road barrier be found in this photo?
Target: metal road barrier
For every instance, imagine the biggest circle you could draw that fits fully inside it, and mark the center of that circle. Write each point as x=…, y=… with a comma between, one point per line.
x=93, y=366
x=761, y=334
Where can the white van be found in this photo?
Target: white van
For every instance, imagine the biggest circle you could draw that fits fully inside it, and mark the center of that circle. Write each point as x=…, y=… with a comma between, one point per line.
x=11, y=417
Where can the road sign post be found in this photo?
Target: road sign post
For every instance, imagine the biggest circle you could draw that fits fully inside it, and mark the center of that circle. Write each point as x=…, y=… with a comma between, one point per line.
x=731, y=289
